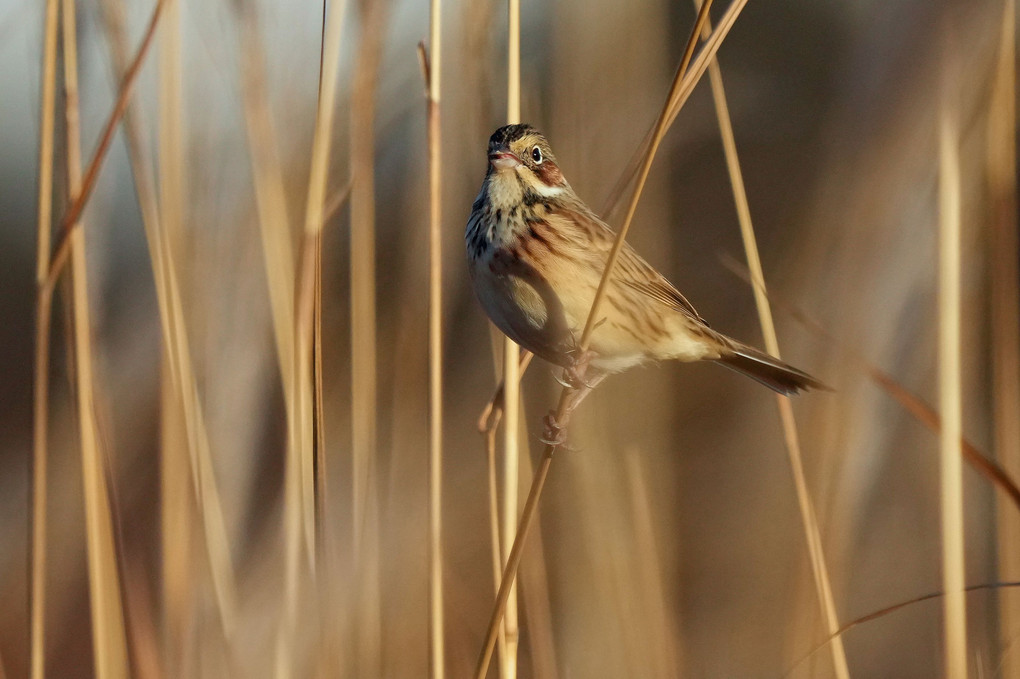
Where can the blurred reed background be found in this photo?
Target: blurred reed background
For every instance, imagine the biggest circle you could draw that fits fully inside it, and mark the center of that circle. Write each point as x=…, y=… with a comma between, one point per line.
x=670, y=541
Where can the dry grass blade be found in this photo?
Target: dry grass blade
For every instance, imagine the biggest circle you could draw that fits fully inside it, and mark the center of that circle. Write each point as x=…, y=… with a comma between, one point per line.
x=950, y=388
x=73, y=212
x=109, y=642
x=541, y=474
x=881, y=613
x=315, y=212
x=43, y=314
x=304, y=330
x=922, y=412
x=820, y=571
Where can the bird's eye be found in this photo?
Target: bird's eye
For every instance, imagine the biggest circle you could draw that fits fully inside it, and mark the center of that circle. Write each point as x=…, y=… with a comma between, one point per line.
x=536, y=155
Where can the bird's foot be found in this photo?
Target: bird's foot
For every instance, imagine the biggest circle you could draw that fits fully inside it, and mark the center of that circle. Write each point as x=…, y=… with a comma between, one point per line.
x=575, y=375
x=553, y=434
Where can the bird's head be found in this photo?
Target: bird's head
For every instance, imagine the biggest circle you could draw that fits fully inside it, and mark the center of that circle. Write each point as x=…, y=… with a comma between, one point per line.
x=522, y=151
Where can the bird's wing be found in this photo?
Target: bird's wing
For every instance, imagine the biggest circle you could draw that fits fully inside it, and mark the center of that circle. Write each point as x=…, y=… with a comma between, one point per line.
x=639, y=275
x=632, y=271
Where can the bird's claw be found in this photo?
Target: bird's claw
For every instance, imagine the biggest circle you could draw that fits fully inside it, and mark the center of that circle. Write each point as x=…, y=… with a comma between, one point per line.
x=553, y=434
x=574, y=375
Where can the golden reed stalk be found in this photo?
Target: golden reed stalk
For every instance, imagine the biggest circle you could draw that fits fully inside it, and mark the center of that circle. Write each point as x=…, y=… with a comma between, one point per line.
x=791, y=438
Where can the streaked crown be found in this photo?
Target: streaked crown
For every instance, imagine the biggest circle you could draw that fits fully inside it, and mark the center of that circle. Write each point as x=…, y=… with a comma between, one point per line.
x=530, y=149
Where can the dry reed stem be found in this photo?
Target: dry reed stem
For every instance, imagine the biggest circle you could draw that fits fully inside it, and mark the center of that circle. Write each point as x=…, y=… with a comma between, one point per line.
x=950, y=387
x=109, y=643
x=494, y=524
x=306, y=393
x=78, y=202
x=661, y=125
x=511, y=379
x=278, y=256
x=43, y=315
x=177, y=354
x=497, y=342
x=809, y=521
x=168, y=216
x=1005, y=325
x=694, y=73
x=667, y=662
x=535, y=592
x=541, y=474
x=433, y=84
x=363, y=401
x=315, y=212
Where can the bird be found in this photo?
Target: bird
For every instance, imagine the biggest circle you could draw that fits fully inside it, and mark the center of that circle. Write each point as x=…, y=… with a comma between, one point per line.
x=536, y=254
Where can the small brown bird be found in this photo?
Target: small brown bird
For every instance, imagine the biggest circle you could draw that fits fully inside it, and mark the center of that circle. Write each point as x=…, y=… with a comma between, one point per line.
x=536, y=254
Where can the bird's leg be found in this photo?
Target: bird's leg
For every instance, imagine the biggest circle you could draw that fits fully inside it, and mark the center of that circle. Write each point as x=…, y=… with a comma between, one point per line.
x=580, y=384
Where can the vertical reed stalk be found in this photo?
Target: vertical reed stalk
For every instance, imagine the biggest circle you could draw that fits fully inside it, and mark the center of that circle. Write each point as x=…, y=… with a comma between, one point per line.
x=364, y=399
x=43, y=315
x=511, y=376
x=808, y=516
x=1005, y=325
x=950, y=387
x=1004, y=244
x=109, y=642
x=437, y=654
x=161, y=220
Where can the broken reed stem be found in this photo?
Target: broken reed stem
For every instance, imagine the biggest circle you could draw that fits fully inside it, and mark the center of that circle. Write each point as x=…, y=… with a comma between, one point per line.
x=950, y=386
x=809, y=519
x=109, y=643
x=511, y=379
x=43, y=316
x=433, y=83
x=314, y=218
x=301, y=461
x=542, y=472
x=79, y=200
x=492, y=413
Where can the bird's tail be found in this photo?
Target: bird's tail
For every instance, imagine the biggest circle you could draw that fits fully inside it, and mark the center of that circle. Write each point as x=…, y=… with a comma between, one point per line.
x=768, y=370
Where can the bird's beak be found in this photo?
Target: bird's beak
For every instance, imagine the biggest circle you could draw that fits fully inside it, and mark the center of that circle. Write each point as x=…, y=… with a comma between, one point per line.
x=503, y=160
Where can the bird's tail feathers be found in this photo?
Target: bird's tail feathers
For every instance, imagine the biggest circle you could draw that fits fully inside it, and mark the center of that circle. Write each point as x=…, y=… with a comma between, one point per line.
x=769, y=370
